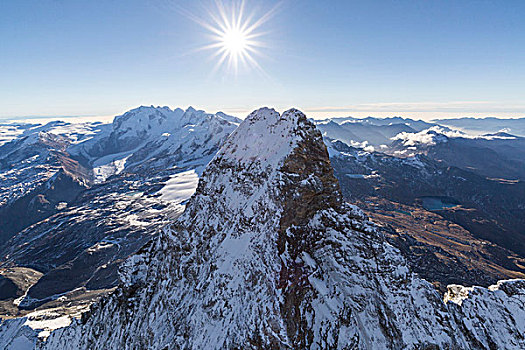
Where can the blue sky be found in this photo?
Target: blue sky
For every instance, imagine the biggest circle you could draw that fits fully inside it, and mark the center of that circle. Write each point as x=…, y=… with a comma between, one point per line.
x=329, y=58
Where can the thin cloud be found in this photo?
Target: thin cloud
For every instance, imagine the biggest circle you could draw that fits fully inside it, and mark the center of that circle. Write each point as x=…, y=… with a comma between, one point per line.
x=399, y=107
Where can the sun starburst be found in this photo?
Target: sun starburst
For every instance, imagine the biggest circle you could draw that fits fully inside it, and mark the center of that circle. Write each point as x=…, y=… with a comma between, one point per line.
x=236, y=36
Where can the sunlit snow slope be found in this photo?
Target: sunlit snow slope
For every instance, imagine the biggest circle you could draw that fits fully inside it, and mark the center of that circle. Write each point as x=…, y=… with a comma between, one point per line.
x=266, y=255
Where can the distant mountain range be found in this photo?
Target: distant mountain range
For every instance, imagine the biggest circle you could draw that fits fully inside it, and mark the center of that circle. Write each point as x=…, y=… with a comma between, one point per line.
x=497, y=154
x=443, y=209
x=104, y=181
x=486, y=125
x=196, y=229
x=404, y=181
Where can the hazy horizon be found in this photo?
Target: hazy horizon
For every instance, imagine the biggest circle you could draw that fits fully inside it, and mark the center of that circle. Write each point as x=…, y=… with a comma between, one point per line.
x=359, y=115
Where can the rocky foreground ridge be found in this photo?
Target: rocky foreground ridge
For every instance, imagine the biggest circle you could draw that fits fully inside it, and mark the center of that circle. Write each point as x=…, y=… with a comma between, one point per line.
x=268, y=256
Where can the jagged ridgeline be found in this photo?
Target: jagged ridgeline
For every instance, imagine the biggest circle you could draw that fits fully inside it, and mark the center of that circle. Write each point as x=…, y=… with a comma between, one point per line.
x=268, y=256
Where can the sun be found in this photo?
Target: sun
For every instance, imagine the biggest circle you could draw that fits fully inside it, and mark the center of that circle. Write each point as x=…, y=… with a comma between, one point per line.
x=235, y=42
x=236, y=37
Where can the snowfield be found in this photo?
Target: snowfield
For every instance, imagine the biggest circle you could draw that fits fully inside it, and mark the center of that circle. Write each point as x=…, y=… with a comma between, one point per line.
x=180, y=187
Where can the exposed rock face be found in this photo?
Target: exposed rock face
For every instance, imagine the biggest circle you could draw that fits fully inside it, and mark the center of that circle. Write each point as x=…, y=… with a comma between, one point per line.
x=37, y=174
x=266, y=255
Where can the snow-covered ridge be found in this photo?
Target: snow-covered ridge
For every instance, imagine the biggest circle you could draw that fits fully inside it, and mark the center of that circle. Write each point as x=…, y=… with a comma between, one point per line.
x=155, y=180
x=266, y=137
x=238, y=271
x=231, y=222
x=266, y=256
x=156, y=136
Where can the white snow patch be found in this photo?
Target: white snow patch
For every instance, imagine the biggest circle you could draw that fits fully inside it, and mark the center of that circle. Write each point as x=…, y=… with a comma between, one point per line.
x=102, y=172
x=134, y=220
x=49, y=324
x=10, y=132
x=180, y=187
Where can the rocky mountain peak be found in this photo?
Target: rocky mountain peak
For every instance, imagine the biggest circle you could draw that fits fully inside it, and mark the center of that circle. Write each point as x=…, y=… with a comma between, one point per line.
x=145, y=118
x=156, y=120
x=266, y=255
x=159, y=132
x=280, y=157
x=265, y=137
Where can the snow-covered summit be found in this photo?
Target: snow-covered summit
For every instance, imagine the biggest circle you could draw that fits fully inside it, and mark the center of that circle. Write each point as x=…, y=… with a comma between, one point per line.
x=157, y=120
x=267, y=151
x=265, y=137
x=156, y=137
x=153, y=120
x=143, y=124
